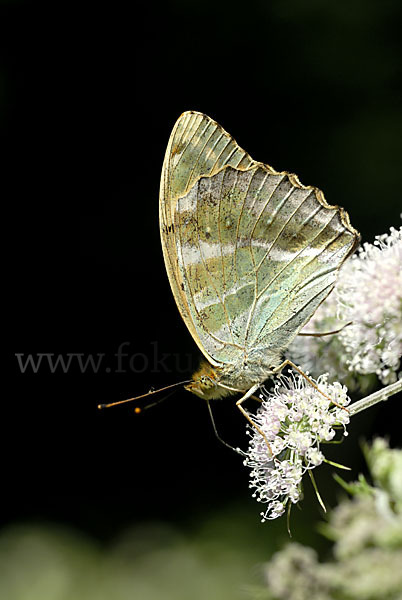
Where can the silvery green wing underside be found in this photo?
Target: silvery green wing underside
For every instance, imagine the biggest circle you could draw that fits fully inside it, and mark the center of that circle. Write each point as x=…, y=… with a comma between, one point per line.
x=198, y=146
x=251, y=252
x=257, y=254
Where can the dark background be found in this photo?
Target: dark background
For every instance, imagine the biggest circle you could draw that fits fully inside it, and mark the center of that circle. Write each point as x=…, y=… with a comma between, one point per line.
x=89, y=94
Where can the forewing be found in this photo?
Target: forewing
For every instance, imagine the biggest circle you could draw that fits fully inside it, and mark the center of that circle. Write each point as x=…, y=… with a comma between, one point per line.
x=210, y=260
x=198, y=147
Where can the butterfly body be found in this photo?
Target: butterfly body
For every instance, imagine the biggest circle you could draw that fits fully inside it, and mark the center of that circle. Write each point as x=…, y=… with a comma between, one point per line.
x=250, y=254
x=212, y=383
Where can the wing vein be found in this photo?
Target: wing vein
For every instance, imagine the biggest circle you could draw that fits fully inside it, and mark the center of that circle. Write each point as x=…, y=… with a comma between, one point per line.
x=219, y=155
x=292, y=288
x=296, y=255
x=331, y=285
x=209, y=274
x=190, y=291
x=212, y=148
x=252, y=307
x=285, y=198
x=302, y=250
x=220, y=236
x=237, y=231
x=189, y=142
x=199, y=153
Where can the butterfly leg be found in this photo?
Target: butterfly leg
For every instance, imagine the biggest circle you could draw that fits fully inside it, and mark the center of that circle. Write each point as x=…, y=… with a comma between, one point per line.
x=249, y=419
x=289, y=363
x=237, y=450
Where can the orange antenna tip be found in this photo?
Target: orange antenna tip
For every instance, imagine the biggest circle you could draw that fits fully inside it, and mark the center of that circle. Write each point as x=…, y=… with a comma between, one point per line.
x=150, y=393
x=137, y=410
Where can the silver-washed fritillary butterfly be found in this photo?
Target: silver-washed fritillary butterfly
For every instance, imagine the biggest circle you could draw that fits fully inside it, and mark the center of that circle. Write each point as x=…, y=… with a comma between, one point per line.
x=250, y=254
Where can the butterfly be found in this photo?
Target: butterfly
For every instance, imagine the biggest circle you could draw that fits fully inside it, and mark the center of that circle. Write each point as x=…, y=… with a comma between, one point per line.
x=250, y=254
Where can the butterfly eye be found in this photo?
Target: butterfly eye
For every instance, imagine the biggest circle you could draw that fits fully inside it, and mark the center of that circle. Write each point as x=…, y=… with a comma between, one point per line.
x=207, y=381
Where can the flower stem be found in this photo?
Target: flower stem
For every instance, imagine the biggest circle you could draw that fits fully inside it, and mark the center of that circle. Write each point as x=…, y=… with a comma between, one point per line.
x=379, y=396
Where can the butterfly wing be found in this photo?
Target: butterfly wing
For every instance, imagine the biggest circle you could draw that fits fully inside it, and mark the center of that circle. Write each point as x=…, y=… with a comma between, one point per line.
x=250, y=252
x=291, y=245
x=197, y=147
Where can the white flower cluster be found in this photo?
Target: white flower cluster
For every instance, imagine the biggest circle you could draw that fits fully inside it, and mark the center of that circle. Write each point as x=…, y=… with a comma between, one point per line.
x=295, y=419
x=367, y=534
x=368, y=294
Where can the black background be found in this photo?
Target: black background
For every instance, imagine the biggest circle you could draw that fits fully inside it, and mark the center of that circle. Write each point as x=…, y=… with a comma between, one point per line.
x=89, y=94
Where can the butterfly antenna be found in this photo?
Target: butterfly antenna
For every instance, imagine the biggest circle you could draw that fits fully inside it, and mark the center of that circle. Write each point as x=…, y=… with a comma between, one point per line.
x=150, y=393
x=152, y=404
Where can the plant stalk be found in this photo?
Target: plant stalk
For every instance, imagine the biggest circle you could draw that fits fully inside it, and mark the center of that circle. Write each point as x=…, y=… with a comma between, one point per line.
x=379, y=396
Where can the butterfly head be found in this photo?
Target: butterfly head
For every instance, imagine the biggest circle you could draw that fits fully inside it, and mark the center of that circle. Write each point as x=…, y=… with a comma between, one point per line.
x=205, y=383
